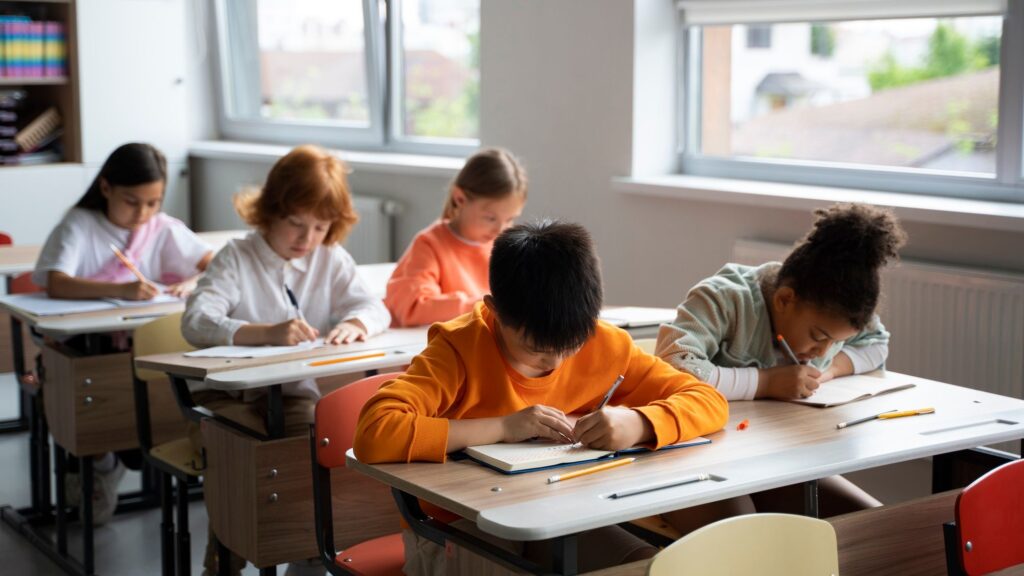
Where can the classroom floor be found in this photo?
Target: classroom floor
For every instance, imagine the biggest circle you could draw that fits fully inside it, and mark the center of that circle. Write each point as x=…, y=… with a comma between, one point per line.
x=129, y=544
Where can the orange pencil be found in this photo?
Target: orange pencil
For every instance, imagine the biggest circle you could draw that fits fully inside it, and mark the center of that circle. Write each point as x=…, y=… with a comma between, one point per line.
x=128, y=264
x=591, y=470
x=348, y=359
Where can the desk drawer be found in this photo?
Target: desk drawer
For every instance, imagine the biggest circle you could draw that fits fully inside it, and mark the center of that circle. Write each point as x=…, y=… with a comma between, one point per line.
x=90, y=404
x=259, y=497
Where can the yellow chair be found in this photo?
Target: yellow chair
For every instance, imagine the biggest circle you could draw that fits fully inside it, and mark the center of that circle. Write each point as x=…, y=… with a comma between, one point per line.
x=172, y=459
x=646, y=344
x=763, y=544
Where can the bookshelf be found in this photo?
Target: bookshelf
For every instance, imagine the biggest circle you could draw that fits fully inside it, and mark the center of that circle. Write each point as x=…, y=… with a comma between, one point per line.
x=43, y=92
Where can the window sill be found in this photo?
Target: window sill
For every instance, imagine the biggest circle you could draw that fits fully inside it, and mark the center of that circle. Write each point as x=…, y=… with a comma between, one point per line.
x=909, y=207
x=380, y=162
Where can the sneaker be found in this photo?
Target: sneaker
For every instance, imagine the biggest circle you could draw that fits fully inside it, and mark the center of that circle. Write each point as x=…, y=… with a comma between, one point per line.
x=104, y=493
x=309, y=567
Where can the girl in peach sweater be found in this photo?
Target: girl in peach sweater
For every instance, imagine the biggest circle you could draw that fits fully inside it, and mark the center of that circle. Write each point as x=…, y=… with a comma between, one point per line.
x=444, y=271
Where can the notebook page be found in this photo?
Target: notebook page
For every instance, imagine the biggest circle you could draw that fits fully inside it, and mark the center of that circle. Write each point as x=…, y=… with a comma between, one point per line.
x=42, y=305
x=253, y=351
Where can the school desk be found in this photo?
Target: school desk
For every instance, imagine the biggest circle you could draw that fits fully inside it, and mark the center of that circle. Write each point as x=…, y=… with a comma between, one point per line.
x=784, y=444
x=87, y=407
x=258, y=485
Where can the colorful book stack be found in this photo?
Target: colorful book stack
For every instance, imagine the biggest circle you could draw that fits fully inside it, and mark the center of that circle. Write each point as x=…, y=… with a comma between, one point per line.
x=31, y=49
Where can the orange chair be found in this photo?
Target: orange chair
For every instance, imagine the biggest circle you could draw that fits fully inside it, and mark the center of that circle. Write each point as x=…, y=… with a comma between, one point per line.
x=333, y=434
x=988, y=534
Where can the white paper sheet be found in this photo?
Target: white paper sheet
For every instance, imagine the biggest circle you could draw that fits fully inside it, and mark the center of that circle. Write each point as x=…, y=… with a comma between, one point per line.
x=253, y=351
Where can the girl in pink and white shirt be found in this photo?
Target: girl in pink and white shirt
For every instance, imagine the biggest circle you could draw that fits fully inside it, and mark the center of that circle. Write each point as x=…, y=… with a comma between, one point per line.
x=122, y=208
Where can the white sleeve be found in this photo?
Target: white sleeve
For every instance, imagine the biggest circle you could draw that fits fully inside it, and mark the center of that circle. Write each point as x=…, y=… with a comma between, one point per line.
x=866, y=358
x=352, y=300
x=59, y=253
x=182, y=251
x=734, y=383
x=207, y=321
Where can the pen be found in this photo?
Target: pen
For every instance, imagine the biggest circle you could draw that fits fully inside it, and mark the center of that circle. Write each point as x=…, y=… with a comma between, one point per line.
x=789, y=351
x=591, y=470
x=608, y=395
x=143, y=316
x=842, y=425
x=692, y=478
x=347, y=359
x=906, y=413
x=128, y=264
x=294, y=301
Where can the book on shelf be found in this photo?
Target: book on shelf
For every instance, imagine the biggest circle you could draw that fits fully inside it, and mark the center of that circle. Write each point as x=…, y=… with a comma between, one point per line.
x=32, y=48
x=518, y=457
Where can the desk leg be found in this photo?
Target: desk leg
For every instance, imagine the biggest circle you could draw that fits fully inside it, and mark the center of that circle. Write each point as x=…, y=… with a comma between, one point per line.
x=275, y=412
x=268, y=571
x=811, y=498
x=85, y=473
x=60, y=465
x=565, y=555
x=440, y=533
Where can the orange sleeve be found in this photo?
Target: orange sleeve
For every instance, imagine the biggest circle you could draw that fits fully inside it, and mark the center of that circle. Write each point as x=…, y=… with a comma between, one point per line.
x=414, y=294
x=677, y=404
x=400, y=423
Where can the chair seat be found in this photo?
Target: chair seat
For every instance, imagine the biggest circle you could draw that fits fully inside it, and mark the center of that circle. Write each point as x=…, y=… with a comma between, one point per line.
x=179, y=455
x=383, y=556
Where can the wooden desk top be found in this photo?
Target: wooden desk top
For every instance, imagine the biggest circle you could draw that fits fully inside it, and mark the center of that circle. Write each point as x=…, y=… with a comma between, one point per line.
x=402, y=344
x=97, y=322
x=784, y=444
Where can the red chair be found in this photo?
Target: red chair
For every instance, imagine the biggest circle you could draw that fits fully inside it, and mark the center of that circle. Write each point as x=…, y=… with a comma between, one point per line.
x=988, y=534
x=333, y=432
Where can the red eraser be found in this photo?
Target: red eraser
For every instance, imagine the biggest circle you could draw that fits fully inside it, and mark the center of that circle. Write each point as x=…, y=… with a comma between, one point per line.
x=743, y=425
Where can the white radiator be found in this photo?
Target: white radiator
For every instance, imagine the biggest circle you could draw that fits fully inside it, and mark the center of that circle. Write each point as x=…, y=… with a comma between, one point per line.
x=958, y=325
x=372, y=240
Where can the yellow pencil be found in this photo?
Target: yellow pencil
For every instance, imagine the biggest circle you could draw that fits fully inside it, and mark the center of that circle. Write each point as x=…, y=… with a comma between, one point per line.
x=348, y=359
x=128, y=264
x=906, y=413
x=591, y=470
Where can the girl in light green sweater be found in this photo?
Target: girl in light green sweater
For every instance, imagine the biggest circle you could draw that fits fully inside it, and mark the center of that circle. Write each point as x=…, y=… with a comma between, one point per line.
x=821, y=301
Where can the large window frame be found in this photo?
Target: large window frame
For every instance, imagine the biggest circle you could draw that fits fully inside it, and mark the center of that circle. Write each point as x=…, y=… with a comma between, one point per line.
x=1006, y=185
x=238, y=72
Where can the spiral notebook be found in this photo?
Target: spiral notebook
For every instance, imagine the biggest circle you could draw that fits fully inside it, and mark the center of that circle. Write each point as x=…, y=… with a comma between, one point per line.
x=521, y=457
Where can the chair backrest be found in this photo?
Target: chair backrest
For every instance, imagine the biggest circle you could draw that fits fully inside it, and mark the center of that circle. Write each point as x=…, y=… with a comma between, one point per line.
x=646, y=344
x=161, y=336
x=990, y=520
x=5, y=239
x=336, y=416
x=763, y=544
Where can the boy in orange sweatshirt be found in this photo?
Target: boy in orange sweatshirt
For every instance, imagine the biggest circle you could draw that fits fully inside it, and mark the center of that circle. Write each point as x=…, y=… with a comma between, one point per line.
x=523, y=364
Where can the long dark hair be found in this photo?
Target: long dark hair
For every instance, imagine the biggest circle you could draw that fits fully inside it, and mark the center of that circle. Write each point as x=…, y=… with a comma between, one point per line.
x=836, y=265
x=129, y=165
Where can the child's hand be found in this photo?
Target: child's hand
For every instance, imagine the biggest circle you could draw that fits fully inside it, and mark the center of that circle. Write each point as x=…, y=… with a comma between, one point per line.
x=826, y=376
x=536, y=422
x=787, y=382
x=290, y=333
x=613, y=428
x=181, y=289
x=347, y=332
x=138, y=290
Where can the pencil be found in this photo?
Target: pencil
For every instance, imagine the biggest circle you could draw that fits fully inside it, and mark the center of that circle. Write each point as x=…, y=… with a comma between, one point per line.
x=692, y=478
x=610, y=392
x=842, y=425
x=591, y=470
x=917, y=412
x=128, y=264
x=347, y=359
x=785, y=346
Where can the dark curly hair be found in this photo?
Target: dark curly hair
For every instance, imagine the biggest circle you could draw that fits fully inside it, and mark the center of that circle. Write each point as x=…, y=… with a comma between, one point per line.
x=836, y=266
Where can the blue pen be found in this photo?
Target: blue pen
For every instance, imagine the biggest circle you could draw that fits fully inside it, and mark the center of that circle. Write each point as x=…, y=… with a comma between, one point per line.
x=294, y=301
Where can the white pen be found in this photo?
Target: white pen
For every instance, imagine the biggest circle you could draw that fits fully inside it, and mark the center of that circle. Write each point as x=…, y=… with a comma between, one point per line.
x=692, y=478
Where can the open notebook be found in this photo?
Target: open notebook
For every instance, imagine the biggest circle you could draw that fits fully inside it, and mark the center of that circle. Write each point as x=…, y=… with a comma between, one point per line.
x=852, y=388
x=39, y=304
x=538, y=455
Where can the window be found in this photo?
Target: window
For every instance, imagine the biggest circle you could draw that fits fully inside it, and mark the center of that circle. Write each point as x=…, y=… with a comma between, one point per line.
x=759, y=36
x=909, y=104
x=295, y=71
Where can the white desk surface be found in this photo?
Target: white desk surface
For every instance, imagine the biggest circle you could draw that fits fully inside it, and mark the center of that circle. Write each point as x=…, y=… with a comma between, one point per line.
x=401, y=345
x=784, y=444
x=18, y=258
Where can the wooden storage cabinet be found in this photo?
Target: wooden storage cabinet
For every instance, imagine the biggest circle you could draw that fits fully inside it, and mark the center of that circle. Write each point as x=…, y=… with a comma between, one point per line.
x=259, y=498
x=90, y=404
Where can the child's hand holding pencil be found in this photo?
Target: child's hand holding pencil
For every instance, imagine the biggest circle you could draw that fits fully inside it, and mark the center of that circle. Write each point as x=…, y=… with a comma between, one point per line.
x=141, y=290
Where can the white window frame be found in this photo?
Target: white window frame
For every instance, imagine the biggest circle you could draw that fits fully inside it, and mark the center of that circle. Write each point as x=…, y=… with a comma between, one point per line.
x=1006, y=185
x=384, y=61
